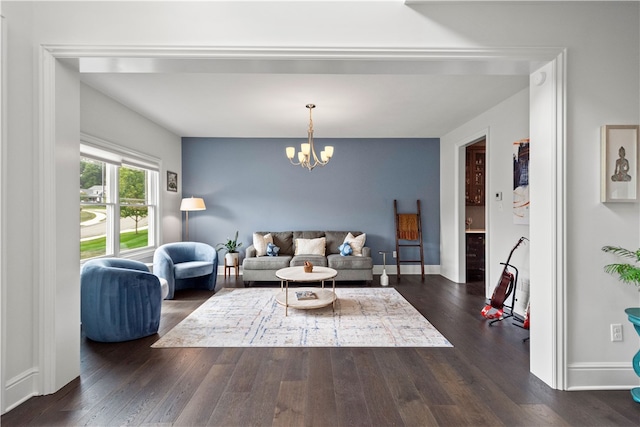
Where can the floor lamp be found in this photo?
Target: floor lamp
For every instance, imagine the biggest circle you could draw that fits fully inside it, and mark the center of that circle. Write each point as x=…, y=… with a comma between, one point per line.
x=191, y=204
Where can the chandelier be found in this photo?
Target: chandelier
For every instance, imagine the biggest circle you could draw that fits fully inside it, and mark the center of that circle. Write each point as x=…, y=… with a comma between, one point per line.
x=307, y=157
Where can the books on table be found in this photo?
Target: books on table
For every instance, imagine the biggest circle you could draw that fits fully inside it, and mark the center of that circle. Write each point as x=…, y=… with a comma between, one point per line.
x=305, y=295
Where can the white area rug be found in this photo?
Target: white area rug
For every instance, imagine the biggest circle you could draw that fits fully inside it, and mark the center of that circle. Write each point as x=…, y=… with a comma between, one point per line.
x=365, y=317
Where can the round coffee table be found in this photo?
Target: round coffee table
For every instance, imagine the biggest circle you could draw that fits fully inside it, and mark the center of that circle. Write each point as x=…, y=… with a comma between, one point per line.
x=288, y=297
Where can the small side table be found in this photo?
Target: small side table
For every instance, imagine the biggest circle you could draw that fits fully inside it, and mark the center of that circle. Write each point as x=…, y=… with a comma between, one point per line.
x=634, y=318
x=227, y=268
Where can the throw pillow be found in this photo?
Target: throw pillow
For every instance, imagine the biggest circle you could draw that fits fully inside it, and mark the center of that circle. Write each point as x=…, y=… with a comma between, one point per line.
x=260, y=243
x=272, y=250
x=357, y=243
x=311, y=246
x=345, y=249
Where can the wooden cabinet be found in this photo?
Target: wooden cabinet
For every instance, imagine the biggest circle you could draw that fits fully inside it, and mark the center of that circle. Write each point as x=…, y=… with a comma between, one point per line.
x=475, y=256
x=475, y=176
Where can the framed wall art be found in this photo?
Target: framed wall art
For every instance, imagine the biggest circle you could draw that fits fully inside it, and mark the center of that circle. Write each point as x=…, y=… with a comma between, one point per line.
x=619, y=169
x=172, y=181
x=521, y=200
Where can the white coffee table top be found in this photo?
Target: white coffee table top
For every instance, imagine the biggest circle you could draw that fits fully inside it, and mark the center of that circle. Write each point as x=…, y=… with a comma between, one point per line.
x=297, y=274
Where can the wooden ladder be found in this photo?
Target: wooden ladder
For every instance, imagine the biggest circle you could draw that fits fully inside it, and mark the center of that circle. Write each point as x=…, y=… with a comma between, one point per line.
x=409, y=231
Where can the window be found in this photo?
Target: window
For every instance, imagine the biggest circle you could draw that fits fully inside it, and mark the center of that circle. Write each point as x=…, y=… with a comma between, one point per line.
x=118, y=203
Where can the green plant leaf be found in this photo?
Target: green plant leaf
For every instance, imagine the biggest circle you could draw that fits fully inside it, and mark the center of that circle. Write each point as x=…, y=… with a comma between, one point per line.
x=627, y=273
x=622, y=252
x=231, y=245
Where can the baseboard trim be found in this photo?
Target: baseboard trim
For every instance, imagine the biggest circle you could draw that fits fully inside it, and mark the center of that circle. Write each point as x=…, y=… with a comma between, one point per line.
x=21, y=388
x=601, y=376
x=392, y=270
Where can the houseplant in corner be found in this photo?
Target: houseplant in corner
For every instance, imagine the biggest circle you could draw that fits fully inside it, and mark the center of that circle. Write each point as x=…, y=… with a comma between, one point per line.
x=231, y=245
x=628, y=273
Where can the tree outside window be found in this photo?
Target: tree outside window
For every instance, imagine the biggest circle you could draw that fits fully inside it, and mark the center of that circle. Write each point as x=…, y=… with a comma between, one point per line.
x=133, y=206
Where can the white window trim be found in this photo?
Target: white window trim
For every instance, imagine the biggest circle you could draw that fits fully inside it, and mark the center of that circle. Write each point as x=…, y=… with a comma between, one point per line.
x=115, y=154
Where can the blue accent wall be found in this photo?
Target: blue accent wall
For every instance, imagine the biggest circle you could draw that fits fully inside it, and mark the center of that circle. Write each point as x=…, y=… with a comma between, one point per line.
x=249, y=185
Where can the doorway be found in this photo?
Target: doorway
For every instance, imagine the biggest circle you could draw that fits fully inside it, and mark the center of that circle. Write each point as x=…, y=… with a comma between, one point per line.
x=475, y=228
x=547, y=124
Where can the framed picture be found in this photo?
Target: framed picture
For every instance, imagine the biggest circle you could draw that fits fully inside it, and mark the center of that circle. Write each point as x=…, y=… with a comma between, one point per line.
x=172, y=181
x=619, y=169
x=521, y=199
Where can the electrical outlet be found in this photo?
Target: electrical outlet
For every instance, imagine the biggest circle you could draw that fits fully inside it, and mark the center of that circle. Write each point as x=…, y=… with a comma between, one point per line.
x=395, y=254
x=616, y=332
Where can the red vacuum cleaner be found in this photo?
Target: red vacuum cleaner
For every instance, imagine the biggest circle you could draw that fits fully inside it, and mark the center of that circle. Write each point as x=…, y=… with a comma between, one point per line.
x=506, y=287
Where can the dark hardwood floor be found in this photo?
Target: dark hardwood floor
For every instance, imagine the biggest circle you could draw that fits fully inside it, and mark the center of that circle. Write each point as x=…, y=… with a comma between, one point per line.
x=483, y=380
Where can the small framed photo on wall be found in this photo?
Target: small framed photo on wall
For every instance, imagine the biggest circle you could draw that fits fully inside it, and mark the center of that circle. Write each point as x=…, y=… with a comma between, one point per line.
x=619, y=170
x=172, y=181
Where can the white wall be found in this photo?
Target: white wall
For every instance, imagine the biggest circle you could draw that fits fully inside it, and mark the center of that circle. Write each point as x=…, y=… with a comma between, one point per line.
x=20, y=319
x=23, y=314
x=504, y=124
x=104, y=118
x=603, y=88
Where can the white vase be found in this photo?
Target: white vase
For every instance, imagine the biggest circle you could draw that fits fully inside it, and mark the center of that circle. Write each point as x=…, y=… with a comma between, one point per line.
x=231, y=258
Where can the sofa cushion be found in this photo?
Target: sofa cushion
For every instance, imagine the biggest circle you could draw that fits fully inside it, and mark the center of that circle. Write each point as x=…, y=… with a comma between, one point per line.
x=261, y=243
x=357, y=243
x=316, y=260
x=282, y=239
x=184, y=270
x=336, y=238
x=307, y=234
x=311, y=246
x=267, y=263
x=349, y=262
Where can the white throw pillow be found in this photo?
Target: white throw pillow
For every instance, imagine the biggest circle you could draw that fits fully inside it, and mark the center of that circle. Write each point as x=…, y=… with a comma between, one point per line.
x=311, y=246
x=260, y=242
x=356, y=243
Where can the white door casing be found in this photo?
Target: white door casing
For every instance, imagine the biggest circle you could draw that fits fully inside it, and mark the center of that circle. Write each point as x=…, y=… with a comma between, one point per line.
x=60, y=359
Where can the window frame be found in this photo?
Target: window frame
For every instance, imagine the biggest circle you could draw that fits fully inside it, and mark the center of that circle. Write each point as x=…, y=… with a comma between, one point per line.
x=115, y=157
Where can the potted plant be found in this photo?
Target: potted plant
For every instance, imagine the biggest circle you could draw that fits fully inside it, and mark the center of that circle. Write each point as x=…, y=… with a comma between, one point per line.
x=628, y=273
x=231, y=245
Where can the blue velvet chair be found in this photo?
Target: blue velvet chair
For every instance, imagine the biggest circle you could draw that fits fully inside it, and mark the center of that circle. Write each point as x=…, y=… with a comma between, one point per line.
x=120, y=300
x=186, y=265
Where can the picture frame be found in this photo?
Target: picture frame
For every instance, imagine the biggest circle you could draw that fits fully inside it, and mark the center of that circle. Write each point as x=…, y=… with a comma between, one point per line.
x=619, y=168
x=521, y=197
x=172, y=181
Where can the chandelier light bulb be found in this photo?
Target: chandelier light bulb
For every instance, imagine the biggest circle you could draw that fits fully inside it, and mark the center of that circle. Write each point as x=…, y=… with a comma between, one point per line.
x=329, y=151
x=291, y=151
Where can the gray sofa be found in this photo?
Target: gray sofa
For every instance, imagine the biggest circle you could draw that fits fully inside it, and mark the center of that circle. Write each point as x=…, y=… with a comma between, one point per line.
x=349, y=268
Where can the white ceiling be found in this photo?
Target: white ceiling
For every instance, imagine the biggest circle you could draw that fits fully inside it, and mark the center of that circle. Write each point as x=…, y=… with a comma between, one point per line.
x=268, y=98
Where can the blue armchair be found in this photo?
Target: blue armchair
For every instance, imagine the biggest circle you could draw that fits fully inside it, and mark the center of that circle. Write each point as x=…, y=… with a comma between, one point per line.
x=120, y=300
x=186, y=265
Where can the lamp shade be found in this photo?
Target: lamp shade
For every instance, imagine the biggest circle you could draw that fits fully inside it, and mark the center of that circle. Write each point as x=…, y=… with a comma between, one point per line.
x=192, y=204
x=291, y=151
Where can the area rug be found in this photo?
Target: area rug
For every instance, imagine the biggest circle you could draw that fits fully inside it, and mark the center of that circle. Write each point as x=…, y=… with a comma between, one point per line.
x=363, y=317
